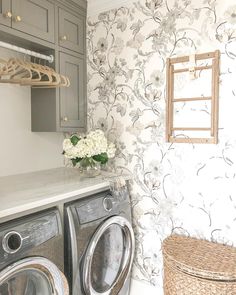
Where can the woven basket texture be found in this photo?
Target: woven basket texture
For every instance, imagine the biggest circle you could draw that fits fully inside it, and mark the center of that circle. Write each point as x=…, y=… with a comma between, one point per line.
x=198, y=267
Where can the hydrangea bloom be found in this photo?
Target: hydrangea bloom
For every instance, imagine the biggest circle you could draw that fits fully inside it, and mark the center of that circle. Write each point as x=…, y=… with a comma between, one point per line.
x=93, y=146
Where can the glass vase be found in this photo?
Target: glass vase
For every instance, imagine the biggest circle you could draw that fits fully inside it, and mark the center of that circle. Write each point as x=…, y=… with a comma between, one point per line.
x=90, y=168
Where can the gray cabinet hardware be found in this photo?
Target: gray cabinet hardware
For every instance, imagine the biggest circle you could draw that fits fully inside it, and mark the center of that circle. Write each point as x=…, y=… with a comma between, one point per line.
x=18, y=18
x=64, y=38
x=7, y=14
x=65, y=119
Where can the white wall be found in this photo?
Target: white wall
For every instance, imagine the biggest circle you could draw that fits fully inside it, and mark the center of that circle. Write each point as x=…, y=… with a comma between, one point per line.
x=20, y=149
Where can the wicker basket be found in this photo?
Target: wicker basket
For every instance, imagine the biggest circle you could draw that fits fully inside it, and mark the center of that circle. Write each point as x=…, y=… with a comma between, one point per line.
x=198, y=267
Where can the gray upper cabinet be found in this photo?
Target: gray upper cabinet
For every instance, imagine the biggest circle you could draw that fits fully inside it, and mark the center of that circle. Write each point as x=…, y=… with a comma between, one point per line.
x=5, y=12
x=55, y=27
x=72, y=99
x=34, y=17
x=71, y=31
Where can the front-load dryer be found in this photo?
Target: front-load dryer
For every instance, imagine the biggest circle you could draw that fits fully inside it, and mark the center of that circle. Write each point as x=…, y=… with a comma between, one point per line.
x=99, y=244
x=31, y=255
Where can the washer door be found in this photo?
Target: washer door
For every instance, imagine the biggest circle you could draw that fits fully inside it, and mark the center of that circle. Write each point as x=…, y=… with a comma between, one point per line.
x=32, y=276
x=109, y=256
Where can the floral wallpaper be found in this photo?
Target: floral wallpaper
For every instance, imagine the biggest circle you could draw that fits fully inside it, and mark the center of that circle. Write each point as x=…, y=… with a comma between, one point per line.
x=188, y=189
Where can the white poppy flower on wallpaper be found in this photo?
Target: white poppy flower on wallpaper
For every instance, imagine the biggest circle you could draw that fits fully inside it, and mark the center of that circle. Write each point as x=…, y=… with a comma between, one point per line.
x=230, y=15
x=100, y=60
x=157, y=78
x=102, y=124
x=102, y=44
x=155, y=168
x=168, y=25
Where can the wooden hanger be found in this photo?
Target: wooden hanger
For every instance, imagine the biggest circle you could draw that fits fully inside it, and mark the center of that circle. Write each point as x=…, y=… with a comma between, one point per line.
x=31, y=74
x=22, y=75
x=45, y=77
x=16, y=72
x=59, y=80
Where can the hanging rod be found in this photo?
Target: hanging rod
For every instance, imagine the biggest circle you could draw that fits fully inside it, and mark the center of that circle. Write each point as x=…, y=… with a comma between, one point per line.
x=49, y=58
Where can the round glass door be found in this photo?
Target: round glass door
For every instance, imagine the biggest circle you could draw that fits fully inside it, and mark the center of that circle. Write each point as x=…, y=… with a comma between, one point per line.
x=32, y=276
x=109, y=257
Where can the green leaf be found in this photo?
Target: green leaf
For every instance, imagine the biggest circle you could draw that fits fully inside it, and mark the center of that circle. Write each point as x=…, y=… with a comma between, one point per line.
x=102, y=158
x=75, y=161
x=85, y=162
x=74, y=139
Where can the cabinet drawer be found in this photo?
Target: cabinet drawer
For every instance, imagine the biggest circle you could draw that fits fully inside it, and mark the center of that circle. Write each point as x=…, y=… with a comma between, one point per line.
x=72, y=99
x=71, y=31
x=5, y=13
x=34, y=17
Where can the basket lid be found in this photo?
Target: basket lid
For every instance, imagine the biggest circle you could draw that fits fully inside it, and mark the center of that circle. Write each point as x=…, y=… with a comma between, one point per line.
x=201, y=258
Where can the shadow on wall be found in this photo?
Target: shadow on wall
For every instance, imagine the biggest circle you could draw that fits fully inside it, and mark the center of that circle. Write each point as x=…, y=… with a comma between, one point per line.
x=22, y=150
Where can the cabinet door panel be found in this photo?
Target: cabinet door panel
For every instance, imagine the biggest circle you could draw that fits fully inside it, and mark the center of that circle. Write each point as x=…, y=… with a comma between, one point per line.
x=5, y=8
x=72, y=99
x=36, y=18
x=71, y=31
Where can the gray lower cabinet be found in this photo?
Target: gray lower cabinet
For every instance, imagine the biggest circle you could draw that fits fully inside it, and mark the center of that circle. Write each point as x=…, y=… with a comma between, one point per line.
x=5, y=12
x=71, y=31
x=72, y=99
x=34, y=17
x=63, y=109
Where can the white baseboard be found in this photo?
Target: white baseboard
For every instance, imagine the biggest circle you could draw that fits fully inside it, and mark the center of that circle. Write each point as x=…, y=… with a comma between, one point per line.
x=141, y=288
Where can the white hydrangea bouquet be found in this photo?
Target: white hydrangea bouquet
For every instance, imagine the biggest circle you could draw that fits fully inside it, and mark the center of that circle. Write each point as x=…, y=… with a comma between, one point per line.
x=89, y=150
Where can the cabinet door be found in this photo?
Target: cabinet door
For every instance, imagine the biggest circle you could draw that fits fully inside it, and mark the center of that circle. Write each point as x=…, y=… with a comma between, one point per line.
x=72, y=98
x=5, y=12
x=71, y=31
x=34, y=17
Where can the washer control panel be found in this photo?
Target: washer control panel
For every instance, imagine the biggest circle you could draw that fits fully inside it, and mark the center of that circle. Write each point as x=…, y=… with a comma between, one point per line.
x=101, y=205
x=19, y=236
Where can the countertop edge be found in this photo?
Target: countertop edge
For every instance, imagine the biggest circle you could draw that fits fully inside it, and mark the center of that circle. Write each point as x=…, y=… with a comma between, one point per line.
x=29, y=193
x=9, y=214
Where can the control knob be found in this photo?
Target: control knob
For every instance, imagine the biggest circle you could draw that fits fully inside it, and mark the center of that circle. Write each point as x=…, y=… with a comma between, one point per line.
x=107, y=203
x=12, y=242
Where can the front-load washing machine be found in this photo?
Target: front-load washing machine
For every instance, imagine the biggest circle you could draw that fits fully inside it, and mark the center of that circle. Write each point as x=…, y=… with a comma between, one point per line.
x=31, y=255
x=99, y=244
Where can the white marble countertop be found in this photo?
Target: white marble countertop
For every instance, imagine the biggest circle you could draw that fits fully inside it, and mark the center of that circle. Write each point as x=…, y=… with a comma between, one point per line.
x=23, y=193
